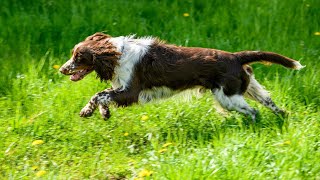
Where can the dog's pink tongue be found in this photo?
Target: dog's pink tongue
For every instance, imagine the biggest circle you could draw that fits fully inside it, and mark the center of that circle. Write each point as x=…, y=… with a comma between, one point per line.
x=75, y=77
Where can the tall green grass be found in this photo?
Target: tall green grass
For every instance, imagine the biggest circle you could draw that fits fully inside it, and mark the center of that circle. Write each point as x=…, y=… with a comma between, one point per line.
x=169, y=139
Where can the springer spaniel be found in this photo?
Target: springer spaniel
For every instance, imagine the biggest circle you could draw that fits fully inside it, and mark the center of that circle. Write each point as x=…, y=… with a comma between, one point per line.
x=142, y=69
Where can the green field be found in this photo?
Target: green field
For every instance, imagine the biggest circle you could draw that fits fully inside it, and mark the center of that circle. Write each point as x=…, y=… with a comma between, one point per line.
x=42, y=135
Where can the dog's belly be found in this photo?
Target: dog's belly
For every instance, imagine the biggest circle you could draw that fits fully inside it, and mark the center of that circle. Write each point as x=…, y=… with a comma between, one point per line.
x=156, y=93
x=165, y=92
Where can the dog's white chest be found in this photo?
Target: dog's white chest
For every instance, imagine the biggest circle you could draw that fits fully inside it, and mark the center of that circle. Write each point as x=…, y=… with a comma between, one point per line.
x=132, y=51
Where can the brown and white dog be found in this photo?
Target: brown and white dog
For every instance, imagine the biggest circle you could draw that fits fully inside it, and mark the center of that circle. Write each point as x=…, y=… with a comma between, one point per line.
x=142, y=69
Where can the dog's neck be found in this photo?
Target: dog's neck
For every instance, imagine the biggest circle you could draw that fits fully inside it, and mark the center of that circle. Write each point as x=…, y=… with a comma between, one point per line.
x=132, y=50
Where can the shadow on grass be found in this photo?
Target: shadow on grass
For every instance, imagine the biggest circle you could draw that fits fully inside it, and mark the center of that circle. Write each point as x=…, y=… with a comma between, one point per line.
x=209, y=128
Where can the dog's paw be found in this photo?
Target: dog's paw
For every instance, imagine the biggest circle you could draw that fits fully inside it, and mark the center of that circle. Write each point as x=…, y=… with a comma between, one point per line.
x=105, y=112
x=86, y=112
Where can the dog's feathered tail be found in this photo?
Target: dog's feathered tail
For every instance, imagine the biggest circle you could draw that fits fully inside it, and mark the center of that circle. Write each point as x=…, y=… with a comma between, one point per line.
x=247, y=57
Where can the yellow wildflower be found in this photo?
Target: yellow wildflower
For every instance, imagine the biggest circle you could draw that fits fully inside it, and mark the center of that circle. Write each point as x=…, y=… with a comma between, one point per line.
x=35, y=167
x=138, y=179
x=166, y=144
x=37, y=142
x=317, y=33
x=162, y=150
x=56, y=66
x=126, y=134
x=41, y=173
x=186, y=14
x=287, y=142
x=144, y=117
x=145, y=173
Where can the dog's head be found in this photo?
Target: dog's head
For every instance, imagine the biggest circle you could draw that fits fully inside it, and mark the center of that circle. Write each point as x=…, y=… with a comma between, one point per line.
x=95, y=53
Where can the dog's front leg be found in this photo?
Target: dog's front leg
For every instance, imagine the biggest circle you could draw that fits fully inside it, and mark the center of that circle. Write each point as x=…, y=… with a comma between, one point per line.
x=101, y=99
x=105, y=98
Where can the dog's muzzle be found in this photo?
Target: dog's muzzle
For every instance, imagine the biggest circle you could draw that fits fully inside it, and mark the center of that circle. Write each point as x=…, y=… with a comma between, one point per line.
x=68, y=67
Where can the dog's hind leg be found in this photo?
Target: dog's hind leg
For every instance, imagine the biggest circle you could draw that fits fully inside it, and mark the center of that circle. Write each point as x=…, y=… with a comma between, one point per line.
x=258, y=93
x=234, y=102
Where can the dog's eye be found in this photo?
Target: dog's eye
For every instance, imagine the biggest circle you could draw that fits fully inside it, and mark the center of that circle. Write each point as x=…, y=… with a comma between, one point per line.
x=77, y=59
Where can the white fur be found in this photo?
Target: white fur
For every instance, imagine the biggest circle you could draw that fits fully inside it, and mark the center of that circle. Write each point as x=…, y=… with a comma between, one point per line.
x=234, y=102
x=256, y=91
x=155, y=93
x=132, y=51
x=104, y=99
x=164, y=92
x=297, y=65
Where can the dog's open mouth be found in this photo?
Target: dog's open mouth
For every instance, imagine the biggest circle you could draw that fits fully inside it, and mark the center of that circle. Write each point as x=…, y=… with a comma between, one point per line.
x=76, y=76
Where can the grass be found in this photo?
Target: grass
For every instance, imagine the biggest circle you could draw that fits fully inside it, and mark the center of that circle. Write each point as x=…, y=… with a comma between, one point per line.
x=168, y=139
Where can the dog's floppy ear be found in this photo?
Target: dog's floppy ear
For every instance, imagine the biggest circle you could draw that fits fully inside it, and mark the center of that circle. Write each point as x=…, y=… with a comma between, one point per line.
x=106, y=56
x=98, y=36
x=104, y=66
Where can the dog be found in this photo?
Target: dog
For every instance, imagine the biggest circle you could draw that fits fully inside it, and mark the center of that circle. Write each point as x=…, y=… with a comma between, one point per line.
x=147, y=68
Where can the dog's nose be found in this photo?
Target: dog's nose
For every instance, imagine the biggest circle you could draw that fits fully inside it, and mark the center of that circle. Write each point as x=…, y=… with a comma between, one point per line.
x=63, y=70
